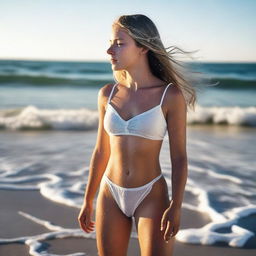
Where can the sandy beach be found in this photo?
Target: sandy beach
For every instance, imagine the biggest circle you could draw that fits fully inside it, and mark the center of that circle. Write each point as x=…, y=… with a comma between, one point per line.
x=15, y=225
x=34, y=158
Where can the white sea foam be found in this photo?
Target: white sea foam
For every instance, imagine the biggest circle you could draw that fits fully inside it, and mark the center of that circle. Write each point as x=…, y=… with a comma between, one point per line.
x=34, y=118
x=223, y=115
x=217, y=175
x=54, y=189
x=209, y=235
x=62, y=119
x=36, y=242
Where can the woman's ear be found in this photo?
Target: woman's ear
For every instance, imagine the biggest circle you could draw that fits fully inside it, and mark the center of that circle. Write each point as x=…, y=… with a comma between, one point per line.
x=144, y=50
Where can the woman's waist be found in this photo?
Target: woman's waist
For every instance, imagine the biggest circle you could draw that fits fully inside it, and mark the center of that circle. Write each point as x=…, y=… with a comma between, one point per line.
x=132, y=176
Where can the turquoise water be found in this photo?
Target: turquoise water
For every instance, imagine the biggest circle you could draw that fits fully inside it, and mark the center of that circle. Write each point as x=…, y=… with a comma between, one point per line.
x=52, y=85
x=27, y=88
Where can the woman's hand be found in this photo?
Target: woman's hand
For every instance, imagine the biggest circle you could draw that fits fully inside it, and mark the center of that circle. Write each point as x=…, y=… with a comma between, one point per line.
x=170, y=222
x=85, y=218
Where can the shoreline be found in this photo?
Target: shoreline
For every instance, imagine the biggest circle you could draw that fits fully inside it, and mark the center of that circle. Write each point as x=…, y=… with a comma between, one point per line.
x=33, y=203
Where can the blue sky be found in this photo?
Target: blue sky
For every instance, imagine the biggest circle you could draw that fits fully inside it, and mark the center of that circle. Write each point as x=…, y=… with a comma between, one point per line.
x=222, y=30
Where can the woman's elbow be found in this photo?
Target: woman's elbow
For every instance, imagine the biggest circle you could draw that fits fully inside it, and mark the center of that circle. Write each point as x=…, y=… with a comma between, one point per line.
x=102, y=152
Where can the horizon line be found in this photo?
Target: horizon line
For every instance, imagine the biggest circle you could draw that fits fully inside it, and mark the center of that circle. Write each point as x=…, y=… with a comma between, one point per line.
x=106, y=60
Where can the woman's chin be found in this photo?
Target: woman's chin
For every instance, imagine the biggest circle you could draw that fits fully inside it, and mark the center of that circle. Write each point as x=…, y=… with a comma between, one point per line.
x=115, y=67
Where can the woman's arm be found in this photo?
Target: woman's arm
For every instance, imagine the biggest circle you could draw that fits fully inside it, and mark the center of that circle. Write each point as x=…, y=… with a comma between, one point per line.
x=176, y=123
x=101, y=151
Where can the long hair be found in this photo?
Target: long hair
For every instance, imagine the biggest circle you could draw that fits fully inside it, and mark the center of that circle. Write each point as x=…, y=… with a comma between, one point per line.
x=162, y=61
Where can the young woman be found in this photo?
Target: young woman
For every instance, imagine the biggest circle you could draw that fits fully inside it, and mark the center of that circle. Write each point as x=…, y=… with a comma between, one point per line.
x=149, y=98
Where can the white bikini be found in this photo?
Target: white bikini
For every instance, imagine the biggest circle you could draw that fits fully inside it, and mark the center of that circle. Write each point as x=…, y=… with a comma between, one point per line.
x=150, y=124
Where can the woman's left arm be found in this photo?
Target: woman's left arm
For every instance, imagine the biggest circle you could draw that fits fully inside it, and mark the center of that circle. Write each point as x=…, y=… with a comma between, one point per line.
x=176, y=123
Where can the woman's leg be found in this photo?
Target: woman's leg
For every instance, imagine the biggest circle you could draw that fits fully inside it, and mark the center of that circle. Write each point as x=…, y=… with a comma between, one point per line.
x=113, y=227
x=148, y=220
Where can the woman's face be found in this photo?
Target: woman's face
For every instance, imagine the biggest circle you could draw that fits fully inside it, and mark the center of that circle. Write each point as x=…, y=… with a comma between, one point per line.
x=122, y=49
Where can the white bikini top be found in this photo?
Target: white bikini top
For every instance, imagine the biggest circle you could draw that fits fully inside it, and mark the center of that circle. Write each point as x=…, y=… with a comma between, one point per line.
x=150, y=124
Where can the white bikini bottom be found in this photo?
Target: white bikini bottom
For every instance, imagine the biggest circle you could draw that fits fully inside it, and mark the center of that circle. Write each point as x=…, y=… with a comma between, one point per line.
x=128, y=199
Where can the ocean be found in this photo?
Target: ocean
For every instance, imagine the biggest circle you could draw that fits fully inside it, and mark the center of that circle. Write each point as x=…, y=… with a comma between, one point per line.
x=48, y=129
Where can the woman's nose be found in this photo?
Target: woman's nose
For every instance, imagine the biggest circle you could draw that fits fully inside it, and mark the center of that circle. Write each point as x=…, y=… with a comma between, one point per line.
x=110, y=50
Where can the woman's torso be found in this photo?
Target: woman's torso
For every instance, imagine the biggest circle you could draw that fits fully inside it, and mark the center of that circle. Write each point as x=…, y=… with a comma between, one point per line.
x=134, y=160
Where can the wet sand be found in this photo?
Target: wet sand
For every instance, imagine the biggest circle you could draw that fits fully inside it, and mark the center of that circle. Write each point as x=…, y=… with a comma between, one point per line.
x=14, y=225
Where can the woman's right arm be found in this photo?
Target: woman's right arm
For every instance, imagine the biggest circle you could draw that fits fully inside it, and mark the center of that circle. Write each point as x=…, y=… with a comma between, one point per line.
x=101, y=153
x=98, y=163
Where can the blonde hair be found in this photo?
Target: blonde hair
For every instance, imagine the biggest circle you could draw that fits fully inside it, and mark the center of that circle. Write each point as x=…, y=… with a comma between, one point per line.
x=161, y=62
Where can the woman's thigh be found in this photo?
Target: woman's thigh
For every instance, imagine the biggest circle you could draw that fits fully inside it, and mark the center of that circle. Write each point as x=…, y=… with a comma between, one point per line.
x=113, y=227
x=148, y=217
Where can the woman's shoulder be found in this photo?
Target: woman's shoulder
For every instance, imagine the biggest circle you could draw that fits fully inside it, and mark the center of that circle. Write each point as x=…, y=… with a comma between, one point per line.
x=104, y=93
x=105, y=90
x=174, y=97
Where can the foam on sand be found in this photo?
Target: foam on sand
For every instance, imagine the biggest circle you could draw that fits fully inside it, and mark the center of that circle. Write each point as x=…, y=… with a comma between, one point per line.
x=36, y=243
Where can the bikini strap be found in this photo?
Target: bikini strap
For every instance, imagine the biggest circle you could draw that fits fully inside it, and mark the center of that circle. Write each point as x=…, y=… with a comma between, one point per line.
x=164, y=93
x=109, y=97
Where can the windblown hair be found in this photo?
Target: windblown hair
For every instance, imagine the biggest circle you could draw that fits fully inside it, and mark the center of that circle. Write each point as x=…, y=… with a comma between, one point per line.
x=162, y=61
